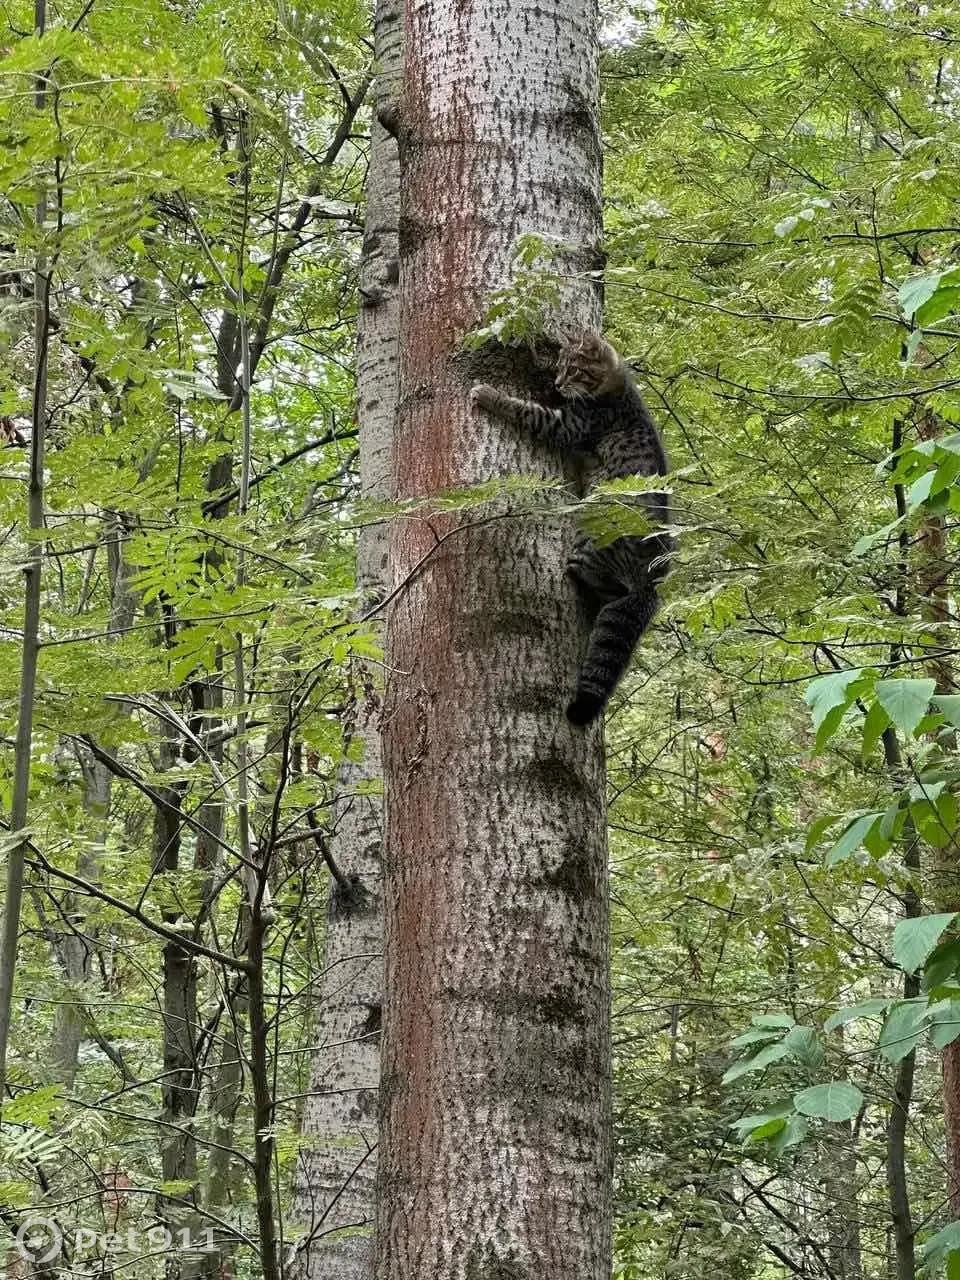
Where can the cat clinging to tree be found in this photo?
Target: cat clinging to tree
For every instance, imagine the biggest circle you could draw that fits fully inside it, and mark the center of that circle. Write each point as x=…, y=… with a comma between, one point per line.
x=605, y=421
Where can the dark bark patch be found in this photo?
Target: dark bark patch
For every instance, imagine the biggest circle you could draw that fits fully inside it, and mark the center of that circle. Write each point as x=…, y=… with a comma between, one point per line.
x=560, y=1005
x=576, y=874
x=534, y=697
x=365, y=1106
x=351, y=898
x=552, y=773
x=411, y=234
x=479, y=631
x=373, y=1021
x=484, y=1264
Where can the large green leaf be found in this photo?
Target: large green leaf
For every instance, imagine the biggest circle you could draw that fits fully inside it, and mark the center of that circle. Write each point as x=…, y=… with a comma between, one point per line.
x=940, y=1249
x=916, y=291
x=915, y=939
x=828, y=697
x=903, y=1029
x=852, y=838
x=944, y=1022
x=905, y=701
x=866, y=1009
x=834, y=1101
x=759, y=1061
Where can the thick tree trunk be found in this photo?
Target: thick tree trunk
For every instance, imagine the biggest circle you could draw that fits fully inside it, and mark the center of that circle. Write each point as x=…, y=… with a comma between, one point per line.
x=494, y=1139
x=337, y=1171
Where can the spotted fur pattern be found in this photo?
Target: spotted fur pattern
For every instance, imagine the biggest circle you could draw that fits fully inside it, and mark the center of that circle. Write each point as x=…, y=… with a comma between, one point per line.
x=605, y=422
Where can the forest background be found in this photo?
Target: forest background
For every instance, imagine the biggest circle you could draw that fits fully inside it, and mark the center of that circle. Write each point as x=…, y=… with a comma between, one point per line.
x=181, y=196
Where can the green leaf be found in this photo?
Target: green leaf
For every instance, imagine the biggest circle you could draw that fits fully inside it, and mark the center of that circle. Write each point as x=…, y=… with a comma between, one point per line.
x=870, y=540
x=38, y=1107
x=948, y=704
x=768, y=1129
x=919, y=491
x=916, y=291
x=902, y=1029
x=818, y=829
x=835, y=1101
x=874, y=723
x=756, y=1036
x=914, y=940
x=852, y=838
x=905, y=701
x=759, y=1061
x=866, y=1009
x=944, y=302
x=943, y=965
x=943, y=1019
x=937, y=822
x=778, y=1111
x=940, y=1248
x=804, y=1045
x=782, y=1020
x=830, y=693
x=794, y=1133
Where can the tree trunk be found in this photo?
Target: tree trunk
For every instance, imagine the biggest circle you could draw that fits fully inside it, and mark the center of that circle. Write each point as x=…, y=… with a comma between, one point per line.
x=180, y=1020
x=843, y=1205
x=74, y=949
x=337, y=1170
x=494, y=1139
x=898, y=1190
x=934, y=570
x=32, y=573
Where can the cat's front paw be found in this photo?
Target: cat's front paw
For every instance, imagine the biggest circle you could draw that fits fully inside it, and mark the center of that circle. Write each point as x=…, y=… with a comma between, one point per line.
x=484, y=396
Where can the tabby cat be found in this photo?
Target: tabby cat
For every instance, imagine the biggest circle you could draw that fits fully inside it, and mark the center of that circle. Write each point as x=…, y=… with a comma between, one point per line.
x=604, y=422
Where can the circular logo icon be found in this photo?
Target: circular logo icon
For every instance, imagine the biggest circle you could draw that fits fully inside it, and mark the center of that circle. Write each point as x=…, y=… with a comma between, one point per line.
x=39, y=1240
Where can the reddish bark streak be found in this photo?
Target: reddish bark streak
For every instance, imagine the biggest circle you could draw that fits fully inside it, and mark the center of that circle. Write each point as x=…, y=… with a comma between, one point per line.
x=951, y=1110
x=494, y=1146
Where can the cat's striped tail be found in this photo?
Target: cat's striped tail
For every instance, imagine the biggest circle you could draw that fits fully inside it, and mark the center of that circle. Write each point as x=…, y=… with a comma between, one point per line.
x=616, y=630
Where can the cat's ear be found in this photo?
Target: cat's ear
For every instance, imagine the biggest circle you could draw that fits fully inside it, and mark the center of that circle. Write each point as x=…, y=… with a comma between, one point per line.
x=575, y=337
x=561, y=334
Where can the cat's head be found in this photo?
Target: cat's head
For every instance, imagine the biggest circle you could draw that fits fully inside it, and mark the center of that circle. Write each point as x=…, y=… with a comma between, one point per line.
x=588, y=366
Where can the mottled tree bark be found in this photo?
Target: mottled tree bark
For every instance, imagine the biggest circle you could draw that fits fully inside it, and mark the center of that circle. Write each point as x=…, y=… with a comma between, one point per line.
x=337, y=1168
x=494, y=1138
x=74, y=949
x=934, y=571
x=180, y=1022
x=843, y=1205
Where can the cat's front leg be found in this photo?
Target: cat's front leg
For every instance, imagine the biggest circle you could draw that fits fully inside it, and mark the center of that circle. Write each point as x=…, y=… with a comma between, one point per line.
x=537, y=418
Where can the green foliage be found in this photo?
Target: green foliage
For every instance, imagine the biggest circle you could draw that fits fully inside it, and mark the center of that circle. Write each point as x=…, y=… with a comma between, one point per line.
x=782, y=271
x=172, y=151
x=519, y=312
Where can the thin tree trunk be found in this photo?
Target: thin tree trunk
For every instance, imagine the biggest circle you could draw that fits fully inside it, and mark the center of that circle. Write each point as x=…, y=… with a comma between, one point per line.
x=23, y=742
x=897, y=1186
x=934, y=568
x=180, y=1023
x=337, y=1169
x=74, y=949
x=494, y=1152
x=843, y=1205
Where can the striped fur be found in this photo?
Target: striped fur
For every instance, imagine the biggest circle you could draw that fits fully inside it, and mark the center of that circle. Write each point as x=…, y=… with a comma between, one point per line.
x=605, y=422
